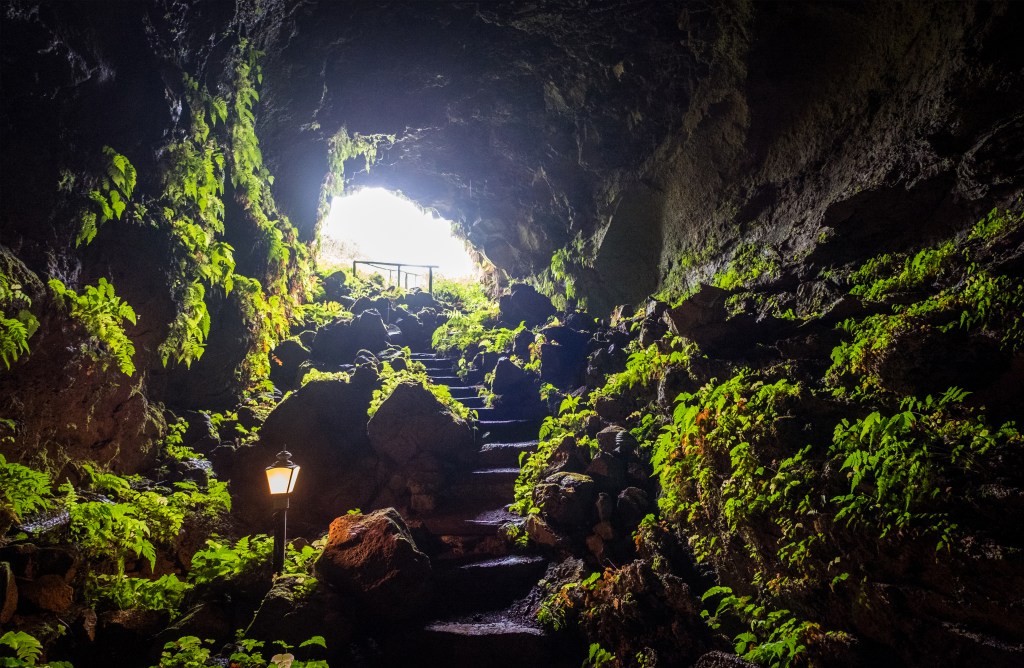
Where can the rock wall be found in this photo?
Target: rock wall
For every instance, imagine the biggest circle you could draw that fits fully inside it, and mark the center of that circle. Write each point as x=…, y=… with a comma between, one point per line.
x=655, y=141
x=664, y=135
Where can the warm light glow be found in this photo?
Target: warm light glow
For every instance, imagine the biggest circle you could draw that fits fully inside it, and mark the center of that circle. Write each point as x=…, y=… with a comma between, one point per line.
x=282, y=479
x=375, y=224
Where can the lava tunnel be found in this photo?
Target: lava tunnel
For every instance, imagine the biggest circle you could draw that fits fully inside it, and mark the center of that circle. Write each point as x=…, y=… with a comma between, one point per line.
x=732, y=373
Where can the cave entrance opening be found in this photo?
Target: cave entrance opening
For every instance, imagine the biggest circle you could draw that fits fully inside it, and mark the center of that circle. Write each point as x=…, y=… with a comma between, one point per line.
x=374, y=225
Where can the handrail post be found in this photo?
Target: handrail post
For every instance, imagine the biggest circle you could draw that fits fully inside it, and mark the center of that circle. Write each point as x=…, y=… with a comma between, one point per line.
x=430, y=280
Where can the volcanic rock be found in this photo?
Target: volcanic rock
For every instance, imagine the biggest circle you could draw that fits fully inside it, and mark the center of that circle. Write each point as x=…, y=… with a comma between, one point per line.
x=375, y=559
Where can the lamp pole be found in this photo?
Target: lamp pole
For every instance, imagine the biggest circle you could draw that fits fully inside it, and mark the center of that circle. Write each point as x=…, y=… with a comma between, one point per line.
x=280, y=531
x=281, y=478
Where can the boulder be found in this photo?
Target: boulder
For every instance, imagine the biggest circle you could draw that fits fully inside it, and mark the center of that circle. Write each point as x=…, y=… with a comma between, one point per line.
x=47, y=592
x=607, y=437
x=607, y=471
x=375, y=559
x=521, y=344
x=417, y=300
x=380, y=305
x=200, y=435
x=631, y=506
x=285, y=361
x=287, y=614
x=605, y=507
x=129, y=631
x=541, y=533
x=563, y=359
x=613, y=409
x=414, y=334
x=524, y=304
x=338, y=342
x=323, y=425
x=29, y=561
x=510, y=379
x=412, y=424
x=334, y=286
x=566, y=499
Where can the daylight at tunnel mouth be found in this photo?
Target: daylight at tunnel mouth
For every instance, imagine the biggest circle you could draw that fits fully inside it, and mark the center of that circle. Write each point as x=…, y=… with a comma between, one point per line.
x=618, y=333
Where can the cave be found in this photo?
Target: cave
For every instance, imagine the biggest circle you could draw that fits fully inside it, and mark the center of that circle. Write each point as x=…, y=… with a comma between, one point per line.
x=736, y=377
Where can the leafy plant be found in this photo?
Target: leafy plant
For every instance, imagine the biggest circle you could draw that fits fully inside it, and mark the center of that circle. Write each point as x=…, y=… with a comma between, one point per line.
x=902, y=467
x=750, y=262
x=103, y=315
x=120, y=592
x=109, y=199
x=22, y=491
x=191, y=652
x=647, y=365
x=315, y=375
x=27, y=652
x=220, y=560
x=772, y=638
x=15, y=331
x=597, y=657
x=415, y=373
x=127, y=527
x=533, y=465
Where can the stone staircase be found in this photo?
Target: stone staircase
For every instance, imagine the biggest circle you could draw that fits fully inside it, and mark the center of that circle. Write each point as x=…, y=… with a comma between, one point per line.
x=479, y=613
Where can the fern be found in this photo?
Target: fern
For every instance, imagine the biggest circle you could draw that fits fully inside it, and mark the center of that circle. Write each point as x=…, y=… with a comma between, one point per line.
x=110, y=198
x=22, y=491
x=103, y=315
x=14, y=331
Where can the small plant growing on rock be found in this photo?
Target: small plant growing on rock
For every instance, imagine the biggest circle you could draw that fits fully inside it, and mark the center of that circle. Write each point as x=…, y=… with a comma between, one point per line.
x=103, y=315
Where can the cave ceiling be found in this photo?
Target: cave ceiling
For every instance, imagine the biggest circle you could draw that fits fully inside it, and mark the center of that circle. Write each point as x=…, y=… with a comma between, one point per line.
x=651, y=133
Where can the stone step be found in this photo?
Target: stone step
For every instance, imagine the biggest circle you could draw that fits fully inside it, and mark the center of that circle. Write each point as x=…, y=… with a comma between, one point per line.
x=505, y=431
x=460, y=523
x=493, y=641
x=463, y=391
x=486, y=584
x=436, y=364
x=475, y=403
x=448, y=380
x=490, y=414
x=498, y=455
x=487, y=484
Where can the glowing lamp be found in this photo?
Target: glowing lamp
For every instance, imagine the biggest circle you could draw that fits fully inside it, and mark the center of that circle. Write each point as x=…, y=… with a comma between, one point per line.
x=281, y=478
x=282, y=475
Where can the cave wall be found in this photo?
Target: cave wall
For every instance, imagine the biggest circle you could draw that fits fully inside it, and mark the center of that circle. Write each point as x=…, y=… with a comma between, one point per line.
x=685, y=128
x=655, y=138
x=699, y=126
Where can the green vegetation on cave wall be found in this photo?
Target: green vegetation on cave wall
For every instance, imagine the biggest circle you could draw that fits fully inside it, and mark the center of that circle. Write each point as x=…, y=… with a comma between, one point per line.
x=170, y=281
x=813, y=450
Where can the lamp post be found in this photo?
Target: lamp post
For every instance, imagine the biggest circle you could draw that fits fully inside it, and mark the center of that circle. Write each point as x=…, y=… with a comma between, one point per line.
x=281, y=478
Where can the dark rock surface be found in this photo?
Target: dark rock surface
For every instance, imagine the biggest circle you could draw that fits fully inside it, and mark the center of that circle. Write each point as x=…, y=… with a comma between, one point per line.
x=412, y=424
x=374, y=559
x=523, y=304
x=285, y=361
x=323, y=425
x=286, y=614
x=566, y=499
x=338, y=342
x=334, y=286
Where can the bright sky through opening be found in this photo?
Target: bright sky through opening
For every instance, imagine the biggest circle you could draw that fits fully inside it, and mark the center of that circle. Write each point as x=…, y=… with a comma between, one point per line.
x=375, y=224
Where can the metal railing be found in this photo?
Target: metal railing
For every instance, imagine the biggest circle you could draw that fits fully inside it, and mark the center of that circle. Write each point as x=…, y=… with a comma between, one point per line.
x=397, y=271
